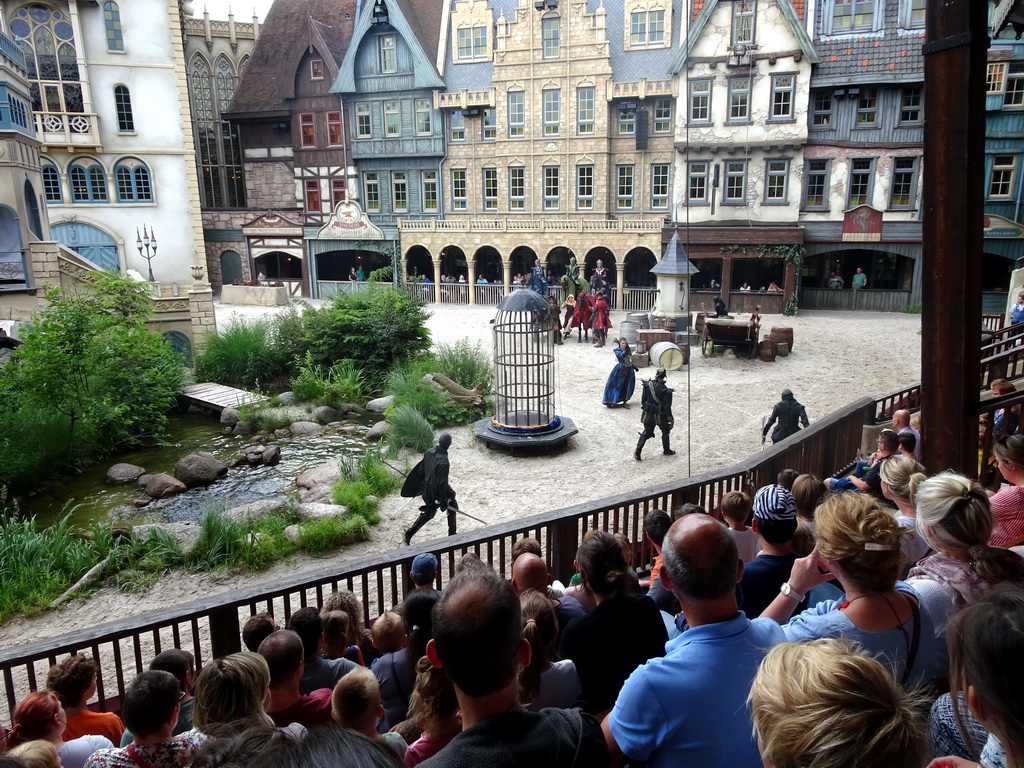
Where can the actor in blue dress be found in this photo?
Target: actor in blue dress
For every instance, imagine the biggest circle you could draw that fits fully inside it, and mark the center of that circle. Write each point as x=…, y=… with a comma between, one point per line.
x=622, y=380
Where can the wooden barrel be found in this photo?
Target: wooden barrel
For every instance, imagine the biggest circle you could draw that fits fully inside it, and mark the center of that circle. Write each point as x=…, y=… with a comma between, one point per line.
x=782, y=348
x=766, y=351
x=783, y=333
x=642, y=319
x=628, y=329
x=667, y=355
x=698, y=325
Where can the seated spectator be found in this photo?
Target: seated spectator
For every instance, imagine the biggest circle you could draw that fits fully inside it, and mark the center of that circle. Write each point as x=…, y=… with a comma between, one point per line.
x=434, y=709
x=334, y=748
x=825, y=704
x=1008, y=503
x=286, y=703
x=150, y=708
x=866, y=477
x=36, y=754
x=688, y=707
x=544, y=682
x=745, y=288
x=656, y=525
x=859, y=546
x=621, y=633
x=424, y=571
x=250, y=748
x=39, y=716
x=530, y=572
x=688, y=509
x=478, y=641
x=229, y=695
x=807, y=493
x=343, y=600
x=74, y=682
x=774, y=525
x=355, y=704
x=736, y=509
x=396, y=672
x=388, y=633
x=575, y=588
x=256, y=629
x=336, y=633
x=901, y=425
x=182, y=665
x=999, y=388
x=524, y=545
x=786, y=477
x=773, y=287
x=470, y=560
x=317, y=672
x=900, y=477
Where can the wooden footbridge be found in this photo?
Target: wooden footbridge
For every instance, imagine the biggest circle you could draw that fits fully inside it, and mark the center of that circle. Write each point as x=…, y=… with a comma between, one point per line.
x=214, y=398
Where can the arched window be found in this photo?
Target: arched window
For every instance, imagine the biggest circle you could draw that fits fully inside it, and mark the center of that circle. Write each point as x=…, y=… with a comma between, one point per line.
x=123, y=104
x=35, y=223
x=226, y=83
x=88, y=182
x=112, y=21
x=51, y=184
x=133, y=182
x=48, y=39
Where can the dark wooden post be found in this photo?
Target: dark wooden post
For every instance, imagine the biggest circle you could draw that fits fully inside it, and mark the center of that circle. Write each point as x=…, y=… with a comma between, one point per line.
x=954, y=137
x=225, y=634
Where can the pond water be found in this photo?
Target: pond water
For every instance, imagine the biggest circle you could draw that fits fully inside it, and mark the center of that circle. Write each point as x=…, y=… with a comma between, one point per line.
x=90, y=498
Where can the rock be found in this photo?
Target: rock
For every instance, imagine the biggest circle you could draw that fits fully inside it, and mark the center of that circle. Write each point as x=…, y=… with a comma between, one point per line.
x=282, y=433
x=323, y=414
x=185, y=533
x=305, y=428
x=143, y=479
x=378, y=431
x=371, y=500
x=286, y=398
x=257, y=509
x=199, y=469
x=229, y=417
x=163, y=485
x=124, y=473
x=140, y=503
x=315, y=511
x=315, y=494
x=242, y=428
x=349, y=407
x=350, y=429
x=327, y=473
x=291, y=533
x=380, y=404
x=271, y=455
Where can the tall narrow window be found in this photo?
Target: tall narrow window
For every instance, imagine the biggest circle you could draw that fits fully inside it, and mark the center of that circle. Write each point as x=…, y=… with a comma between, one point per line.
x=516, y=114
x=552, y=100
x=776, y=176
x=363, y=129
x=782, y=96
x=337, y=191
x=51, y=184
x=816, y=174
x=659, y=186
x=516, y=188
x=739, y=99
x=624, y=187
x=663, y=115
x=585, y=187
x=700, y=101
x=423, y=121
x=490, y=124
x=334, y=129
x=1001, y=180
x=312, y=189
x=551, y=37
x=867, y=108
x=743, y=12
x=904, y=183
x=490, y=189
x=457, y=127
x=429, y=193
x=392, y=119
x=627, y=121
x=862, y=171
x=48, y=40
x=307, y=130
x=133, y=182
x=697, y=181
x=123, y=105
x=399, y=192
x=458, y=189
x=1015, y=86
x=735, y=181
x=821, y=109
x=88, y=182
x=388, y=55
x=551, y=187
x=910, y=106
x=316, y=69
x=371, y=191
x=995, y=77
x=585, y=111
x=112, y=23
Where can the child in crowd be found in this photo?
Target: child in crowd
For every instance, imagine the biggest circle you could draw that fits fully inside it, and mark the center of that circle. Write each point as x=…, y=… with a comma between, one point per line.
x=736, y=511
x=356, y=704
x=388, y=633
x=544, y=682
x=435, y=710
x=336, y=624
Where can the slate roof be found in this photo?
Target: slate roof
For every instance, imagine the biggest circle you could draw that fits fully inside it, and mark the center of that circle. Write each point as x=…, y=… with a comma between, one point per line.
x=424, y=17
x=290, y=28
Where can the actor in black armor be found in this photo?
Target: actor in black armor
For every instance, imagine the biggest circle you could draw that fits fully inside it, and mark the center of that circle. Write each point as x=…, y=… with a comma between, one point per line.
x=657, y=411
x=429, y=478
x=790, y=415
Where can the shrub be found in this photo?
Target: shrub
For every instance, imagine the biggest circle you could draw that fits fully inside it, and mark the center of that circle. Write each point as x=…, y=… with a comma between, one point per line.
x=341, y=383
x=409, y=429
x=265, y=418
x=378, y=477
x=221, y=542
x=912, y=309
x=466, y=364
x=244, y=354
x=329, y=533
x=408, y=389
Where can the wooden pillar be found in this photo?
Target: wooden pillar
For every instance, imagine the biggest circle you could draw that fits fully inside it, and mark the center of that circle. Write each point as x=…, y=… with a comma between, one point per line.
x=954, y=143
x=789, y=278
x=726, y=277
x=225, y=634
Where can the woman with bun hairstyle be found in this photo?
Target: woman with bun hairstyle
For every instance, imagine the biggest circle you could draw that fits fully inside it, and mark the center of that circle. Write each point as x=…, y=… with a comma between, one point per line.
x=544, y=682
x=40, y=716
x=900, y=477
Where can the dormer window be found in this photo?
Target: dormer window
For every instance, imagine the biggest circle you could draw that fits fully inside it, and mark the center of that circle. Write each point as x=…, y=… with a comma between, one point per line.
x=388, y=55
x=472, y=43
x=743, y=22
x=316, y=69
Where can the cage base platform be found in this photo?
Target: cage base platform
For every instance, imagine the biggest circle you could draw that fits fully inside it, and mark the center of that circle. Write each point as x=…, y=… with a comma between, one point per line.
x=520, y=442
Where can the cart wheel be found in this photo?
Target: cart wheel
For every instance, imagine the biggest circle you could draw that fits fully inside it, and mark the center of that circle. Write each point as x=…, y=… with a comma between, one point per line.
x=704, y=343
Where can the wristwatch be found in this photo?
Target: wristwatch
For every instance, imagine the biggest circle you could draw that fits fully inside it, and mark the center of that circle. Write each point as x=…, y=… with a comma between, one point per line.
x=791, y=593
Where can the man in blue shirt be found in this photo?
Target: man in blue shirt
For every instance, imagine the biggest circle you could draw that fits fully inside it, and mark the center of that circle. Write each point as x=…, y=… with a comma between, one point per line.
x=689, y=706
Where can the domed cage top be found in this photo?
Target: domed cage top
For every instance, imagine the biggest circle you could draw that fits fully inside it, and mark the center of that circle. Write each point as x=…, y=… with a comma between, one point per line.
x=524, y=365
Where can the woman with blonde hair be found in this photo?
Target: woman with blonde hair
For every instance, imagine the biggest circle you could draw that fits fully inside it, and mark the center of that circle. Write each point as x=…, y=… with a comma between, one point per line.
x=1008, y=503
x=808, y=491
x=544, y=682
x=859, y=546
x=823, y=704
x=39, y=753
x=435, y=711
x=230, y=694
x=40, y=716
x=900, y=477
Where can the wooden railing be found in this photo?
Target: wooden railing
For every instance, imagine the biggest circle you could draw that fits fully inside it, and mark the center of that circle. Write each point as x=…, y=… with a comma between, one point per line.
x=1001, y=339
x=992, y=322
x=1002, y=365
x=1010, y=405
x=210, y=627
x=902, y=399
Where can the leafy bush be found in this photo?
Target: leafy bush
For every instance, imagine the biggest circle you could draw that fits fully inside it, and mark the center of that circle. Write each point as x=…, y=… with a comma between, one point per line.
x=468, y=365
x=409, y=429
x=221, y=542
x=791, y=307
x=378, y=477
x=341, y=383
x=244, y=354
x=912, y=309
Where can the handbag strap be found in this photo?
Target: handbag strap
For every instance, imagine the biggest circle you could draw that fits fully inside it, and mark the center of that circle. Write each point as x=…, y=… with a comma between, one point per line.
x=915, y=639
x=133, y=753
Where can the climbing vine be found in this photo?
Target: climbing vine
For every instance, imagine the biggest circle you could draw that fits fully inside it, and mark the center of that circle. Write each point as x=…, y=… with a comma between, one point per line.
x=793, y=253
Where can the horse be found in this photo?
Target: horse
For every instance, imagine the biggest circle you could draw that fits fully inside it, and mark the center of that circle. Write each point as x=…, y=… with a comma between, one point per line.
x=573, y=287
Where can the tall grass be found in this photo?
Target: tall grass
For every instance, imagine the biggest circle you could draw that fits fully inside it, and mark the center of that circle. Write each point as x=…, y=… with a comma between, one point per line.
x=341, y=383
x=375, y=473
x=409, y=429
x=244, y=354
x=466, y=364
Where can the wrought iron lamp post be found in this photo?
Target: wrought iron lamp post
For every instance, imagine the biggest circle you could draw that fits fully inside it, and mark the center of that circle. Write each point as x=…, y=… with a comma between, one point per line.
x=147, y=242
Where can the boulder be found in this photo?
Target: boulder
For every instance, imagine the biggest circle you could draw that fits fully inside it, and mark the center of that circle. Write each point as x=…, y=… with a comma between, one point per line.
x=229, y=417
x=142, y=480
x=315, y=510
x=327, y=473
x=257, y=509
x=271, y=455
x=378, y=431
x=242, y=428
x=124, y=473
x=199, y=469
x=163, y=485
x=315, y=494
x=349, y=407
x=185, y=533
x=381, y=404
x=282, y=433
x=323, y=414
x=305, y=428
x=291, y=533
x=286, y=398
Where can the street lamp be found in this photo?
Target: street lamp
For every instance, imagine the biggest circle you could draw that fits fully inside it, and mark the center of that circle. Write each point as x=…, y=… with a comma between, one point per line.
x=147, y=239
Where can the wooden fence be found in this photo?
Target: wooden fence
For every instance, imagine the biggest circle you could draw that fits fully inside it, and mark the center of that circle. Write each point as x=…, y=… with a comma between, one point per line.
x=866, y=300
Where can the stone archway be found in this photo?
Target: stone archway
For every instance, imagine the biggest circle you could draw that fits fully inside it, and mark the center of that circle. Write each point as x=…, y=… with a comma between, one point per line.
x=419, y=263
x=522, y=259
x=637, y=268
x=558, y=260
x=600, y=253
x=453, y=262
x=489, y=264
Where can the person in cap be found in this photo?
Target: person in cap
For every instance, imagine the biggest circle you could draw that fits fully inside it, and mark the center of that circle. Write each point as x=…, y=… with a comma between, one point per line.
x=867, y=476
x=656, y=404
x=429, y=479
x=774, y=524
x=424, y=571
x=790, y=416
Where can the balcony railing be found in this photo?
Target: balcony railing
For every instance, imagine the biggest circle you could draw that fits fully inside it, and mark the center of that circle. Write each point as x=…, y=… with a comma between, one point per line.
x=464, y=99
x=11, y=50
x=76, y=130
x=640, y=89
x=515, y=224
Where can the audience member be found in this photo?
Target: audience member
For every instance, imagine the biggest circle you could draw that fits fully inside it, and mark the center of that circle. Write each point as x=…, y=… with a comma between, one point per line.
x=334, y=748
x=866, y=477
x=901, y=424
x=37, y=754
x=150, y=708
x=544, y=682
x=74, y=682
x=336, y=634
x=388, y=632
x=256, y=629
x=396, y=672
x=530, y=572
x=736, y=509
x=1001, y=387
x=287, y=704
x=470, y=560
x=424, y=571
x=40, y=716
x=622, y=632
x=1007, y=504
x=900, y=477
x=229, y=695
x=478, y=640
x=774, y=524
x=182, y=665
x=343, y=600
x=688, y=509
x=908, y=445
x=355, y=704
x=687, y=708
x=786, y=477
x=434, y=709
x=317, y=672
x=656, y=525
x=253, y=747
x=524, y=545
x=823, y=704
x=575, y=588
x=808, y=491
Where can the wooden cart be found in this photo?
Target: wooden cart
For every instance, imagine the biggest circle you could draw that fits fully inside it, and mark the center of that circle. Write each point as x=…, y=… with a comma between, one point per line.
x=732, y=332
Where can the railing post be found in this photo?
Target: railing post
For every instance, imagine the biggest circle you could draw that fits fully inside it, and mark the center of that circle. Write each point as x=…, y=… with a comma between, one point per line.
x=563, y=541
x=225, y=634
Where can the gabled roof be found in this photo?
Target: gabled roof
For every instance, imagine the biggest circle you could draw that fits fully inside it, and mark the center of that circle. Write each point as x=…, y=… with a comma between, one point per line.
x=417, y=22
x=290, y=29
x=789, y=13
x=674, y=262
